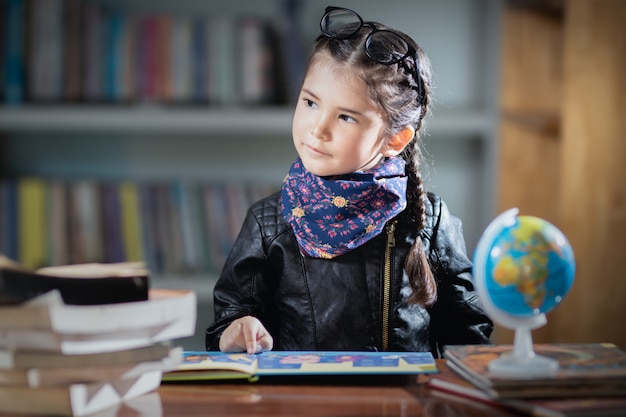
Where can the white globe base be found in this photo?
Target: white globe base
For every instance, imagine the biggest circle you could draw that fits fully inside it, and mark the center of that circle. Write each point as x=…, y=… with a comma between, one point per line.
x=522, y=362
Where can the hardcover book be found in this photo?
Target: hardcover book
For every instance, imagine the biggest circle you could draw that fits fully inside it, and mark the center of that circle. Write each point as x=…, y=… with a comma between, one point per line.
x=48, y=324
x=199, y=365
x=79, y=284
x=77, y=399
x=595, y=369
x=451, y=386
x=47, y=372
x=29, y=359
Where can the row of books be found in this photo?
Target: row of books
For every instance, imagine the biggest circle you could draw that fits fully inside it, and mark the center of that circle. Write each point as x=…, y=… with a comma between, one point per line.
x=62, y=354
x=75, y=50
x=590, y=380
x=178, y=228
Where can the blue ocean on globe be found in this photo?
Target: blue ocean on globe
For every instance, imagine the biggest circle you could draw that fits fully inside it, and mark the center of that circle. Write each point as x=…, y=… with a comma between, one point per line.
x=530, y=267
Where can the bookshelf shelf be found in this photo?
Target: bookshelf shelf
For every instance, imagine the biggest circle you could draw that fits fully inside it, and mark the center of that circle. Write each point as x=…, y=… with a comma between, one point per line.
x=197, y=120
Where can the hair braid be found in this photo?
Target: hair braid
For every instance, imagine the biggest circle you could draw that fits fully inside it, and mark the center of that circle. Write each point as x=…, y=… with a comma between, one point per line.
x=421, y=277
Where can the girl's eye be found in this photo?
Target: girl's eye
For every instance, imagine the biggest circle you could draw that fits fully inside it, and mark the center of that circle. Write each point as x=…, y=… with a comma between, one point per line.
x=309, y=103
x=347, y=118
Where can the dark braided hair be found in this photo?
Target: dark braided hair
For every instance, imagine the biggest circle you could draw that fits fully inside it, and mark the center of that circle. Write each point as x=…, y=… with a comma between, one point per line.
x=394, y=89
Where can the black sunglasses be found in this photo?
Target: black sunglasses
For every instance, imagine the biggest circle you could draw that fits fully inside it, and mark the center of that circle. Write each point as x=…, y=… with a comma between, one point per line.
x=382, y=46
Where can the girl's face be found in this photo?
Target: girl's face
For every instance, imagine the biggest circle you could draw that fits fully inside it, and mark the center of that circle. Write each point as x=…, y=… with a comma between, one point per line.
x=336, y=129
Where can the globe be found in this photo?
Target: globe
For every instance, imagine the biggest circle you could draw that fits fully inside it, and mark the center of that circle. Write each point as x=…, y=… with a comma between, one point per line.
x=524, y=267
x=529, y=268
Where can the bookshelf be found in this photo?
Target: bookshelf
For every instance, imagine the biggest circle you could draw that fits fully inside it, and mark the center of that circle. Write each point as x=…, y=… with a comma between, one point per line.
x=145, y=140
x=194, y=120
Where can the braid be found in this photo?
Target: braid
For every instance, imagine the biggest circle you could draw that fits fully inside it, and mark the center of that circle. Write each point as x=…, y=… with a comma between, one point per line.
x=421, y=277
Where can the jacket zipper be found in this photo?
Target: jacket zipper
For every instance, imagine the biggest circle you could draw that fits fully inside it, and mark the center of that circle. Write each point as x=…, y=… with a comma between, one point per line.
x=391, y=242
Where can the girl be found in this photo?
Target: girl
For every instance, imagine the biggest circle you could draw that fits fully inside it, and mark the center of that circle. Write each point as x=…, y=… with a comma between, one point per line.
x=352, y=253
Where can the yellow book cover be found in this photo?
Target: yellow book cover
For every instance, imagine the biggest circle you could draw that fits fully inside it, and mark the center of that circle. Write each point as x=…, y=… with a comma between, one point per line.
x=131, y=222
x=32, y=221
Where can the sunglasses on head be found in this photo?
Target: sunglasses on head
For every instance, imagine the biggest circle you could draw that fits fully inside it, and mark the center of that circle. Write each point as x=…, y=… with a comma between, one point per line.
x=383, y=46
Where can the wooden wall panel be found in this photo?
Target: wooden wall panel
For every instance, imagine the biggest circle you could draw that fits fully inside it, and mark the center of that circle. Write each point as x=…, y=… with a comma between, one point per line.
x=529, y=145
x=528, y=162
x=563, y=152
x=593, y=175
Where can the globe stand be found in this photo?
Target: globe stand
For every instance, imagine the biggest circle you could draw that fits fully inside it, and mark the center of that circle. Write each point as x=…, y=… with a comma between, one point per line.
x=522, y=361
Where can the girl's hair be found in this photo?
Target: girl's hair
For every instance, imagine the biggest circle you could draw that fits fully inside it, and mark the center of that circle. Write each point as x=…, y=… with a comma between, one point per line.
x=394, y=89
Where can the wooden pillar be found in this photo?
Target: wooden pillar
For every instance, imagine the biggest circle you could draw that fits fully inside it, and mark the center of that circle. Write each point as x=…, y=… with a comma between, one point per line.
x=530, y=100
x=593, y=172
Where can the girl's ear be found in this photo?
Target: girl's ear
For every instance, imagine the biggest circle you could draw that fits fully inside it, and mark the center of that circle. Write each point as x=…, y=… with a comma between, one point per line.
x=399, y=141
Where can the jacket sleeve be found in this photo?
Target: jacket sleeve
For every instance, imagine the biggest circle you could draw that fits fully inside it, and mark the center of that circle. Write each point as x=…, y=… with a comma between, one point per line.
x=242, y=288
x=457, y=317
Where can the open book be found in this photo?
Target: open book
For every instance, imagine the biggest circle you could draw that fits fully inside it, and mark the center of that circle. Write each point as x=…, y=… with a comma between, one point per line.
x=198, y=365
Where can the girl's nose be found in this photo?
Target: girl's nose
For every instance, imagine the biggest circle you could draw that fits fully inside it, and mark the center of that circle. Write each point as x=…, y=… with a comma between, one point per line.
x=320, y=128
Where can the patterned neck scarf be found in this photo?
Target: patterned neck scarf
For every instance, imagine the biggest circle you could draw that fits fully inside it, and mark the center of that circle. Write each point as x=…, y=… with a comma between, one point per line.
x=333, y=215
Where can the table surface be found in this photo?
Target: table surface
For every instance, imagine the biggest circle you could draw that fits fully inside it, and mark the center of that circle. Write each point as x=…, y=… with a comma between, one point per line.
x=307, y=400
x=337, y=397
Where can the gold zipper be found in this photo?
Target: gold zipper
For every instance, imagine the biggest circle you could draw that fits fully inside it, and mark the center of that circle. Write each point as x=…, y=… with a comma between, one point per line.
x=391, y=242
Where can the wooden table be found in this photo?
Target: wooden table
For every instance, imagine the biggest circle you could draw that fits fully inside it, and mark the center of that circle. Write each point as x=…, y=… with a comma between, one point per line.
x=318, y=401
x=389, y=397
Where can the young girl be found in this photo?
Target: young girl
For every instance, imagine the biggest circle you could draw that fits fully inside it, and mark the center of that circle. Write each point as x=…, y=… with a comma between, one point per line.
x=352, y=253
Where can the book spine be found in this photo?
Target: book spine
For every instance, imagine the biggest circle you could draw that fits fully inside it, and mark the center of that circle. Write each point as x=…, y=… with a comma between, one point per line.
x=73, y=53
x=15, y=52
x=114, y=249
x=199, y=61
x=130, y=221
x=32, y=222
x=56, y=222
x=93, y=51
x=9, y=218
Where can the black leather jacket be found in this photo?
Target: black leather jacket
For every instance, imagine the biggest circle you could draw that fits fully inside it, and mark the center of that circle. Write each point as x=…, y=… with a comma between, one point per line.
x=340, y=304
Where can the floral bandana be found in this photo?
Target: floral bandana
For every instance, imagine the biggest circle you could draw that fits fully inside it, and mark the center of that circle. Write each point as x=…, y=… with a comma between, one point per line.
x=333, y=215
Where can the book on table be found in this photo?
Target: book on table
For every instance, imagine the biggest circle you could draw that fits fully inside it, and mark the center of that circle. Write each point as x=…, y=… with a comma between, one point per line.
x=46, y=323
x=592, y=369
x=77, y=399
x=450, y=385
x=44, y=369
x=81, y=355
x=94, y=283
x=199, y=365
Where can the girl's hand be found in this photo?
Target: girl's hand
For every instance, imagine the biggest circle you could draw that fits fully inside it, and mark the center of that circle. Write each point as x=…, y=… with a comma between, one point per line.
x=246, y=334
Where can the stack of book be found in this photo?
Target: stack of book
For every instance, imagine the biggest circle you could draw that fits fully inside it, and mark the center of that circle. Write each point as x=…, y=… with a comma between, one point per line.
x=590, y=381
x=99, y=338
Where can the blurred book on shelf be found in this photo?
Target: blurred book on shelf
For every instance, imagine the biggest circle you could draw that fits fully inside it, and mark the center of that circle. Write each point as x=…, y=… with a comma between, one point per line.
x=67, y=51
x=176, y=227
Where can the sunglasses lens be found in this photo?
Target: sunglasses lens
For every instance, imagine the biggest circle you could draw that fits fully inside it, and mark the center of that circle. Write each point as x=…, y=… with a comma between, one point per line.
x=340, y=23
x=386, y=47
